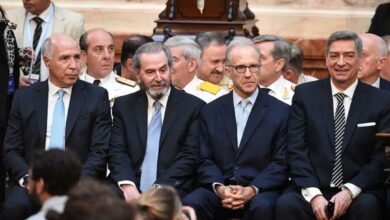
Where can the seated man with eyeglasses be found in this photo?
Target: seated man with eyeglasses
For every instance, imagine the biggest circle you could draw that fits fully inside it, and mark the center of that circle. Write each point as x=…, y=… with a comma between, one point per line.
x=242, y=164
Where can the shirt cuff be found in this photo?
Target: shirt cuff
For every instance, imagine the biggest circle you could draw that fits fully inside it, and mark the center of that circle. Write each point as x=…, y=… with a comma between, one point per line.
x=214, y=187
x=23, y=181
x=256, y=189
x=310, y=192
x=355, y=190
x=124, y=182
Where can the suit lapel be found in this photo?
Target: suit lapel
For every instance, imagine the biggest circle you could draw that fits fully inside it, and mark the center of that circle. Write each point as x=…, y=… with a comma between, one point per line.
x=141, y=112
x=170, y=114
x=229, y=119
x=41, y=105
x=356, y=109
x=326, y=107
x=259, y=109
x=76, y=103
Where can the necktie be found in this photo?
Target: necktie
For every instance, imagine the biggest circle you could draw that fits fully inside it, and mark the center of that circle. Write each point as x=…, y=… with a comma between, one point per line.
x=57, y=138
x=96, y=82
x=337, y=173
x=242, y=117
x=149, y=165
x=37, y=36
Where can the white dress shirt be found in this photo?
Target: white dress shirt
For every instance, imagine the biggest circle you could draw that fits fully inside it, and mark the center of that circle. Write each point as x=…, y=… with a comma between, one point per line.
x=377, y=83
x=310, y=192
x=56, y=203
x=52, y=99
x=193, y=89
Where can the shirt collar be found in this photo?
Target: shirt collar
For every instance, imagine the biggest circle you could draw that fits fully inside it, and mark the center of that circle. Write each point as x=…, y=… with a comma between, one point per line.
x=45, y=15
x=275, y=85
x=252, y=98
x=103, y=81
x=163, y=100
x=349, y=91
x=377, y=83
x=53, y=89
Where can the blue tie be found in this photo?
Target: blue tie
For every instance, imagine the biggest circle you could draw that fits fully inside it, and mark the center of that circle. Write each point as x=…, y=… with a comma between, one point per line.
x=57, y=138
x=241, y=118
x=149, y=165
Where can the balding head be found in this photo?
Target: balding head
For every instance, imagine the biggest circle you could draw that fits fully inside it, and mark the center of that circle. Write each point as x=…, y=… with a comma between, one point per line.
x=61, y=55
x=374, y=55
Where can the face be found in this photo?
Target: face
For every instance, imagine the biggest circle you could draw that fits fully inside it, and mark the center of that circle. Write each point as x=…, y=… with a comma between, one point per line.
x=154, y=74
x=385, y=72
x=270, y=68
x=64, y=64
x=99, y=56
x=343, y=63
x=244, y=84
x=128, y=71
x=371, y=62
x=182, y=69
x=212, y=63
x=36, y=7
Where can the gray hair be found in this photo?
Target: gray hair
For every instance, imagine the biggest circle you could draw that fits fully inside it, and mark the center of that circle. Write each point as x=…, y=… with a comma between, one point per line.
x=296, y=60
x=231, y=47
x=382, y=48
x=46, y=48
x=241, y=40
x=266, y=38
x=152, y=47
x=281, y=49
x=345, y=35
x=190, y=49
x=205, y=39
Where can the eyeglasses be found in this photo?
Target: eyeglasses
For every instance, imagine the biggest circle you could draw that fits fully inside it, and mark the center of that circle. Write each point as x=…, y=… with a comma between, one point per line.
x=253, y=68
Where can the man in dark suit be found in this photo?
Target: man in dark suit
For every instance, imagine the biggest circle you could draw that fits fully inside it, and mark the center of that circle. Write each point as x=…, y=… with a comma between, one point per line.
x=374, y=57
x=62, y=112
x=155, y=130
x=242, y=145
x=380, y=22
x=332, y=150
x=9, y=72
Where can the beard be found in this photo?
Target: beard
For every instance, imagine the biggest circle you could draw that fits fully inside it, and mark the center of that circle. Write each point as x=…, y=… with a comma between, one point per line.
x=155, y=94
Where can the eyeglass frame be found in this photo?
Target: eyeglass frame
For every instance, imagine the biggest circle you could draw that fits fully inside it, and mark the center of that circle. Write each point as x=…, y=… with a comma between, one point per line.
x=258, y=66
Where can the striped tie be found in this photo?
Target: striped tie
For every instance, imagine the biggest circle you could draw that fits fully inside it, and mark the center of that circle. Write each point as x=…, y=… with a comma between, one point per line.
x=37, y=36
x=337, y=173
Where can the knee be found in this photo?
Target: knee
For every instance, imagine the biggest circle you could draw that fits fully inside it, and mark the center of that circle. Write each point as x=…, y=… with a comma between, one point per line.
x=285, y=204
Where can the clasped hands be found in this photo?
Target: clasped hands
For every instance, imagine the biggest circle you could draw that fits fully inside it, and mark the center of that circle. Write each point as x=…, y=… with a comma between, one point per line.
x=235, y=196
x=341, y=200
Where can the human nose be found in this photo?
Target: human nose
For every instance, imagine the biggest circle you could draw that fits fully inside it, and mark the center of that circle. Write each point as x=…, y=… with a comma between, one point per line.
x=341, y=61
x=220, y=66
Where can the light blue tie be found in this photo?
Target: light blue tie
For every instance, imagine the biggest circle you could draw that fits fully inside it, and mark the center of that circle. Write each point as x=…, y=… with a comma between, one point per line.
x=149, y=165
x=241, y=118
x=57, y=138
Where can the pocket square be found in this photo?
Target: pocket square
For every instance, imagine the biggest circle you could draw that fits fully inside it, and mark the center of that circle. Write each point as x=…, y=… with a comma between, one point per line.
x=367, y=124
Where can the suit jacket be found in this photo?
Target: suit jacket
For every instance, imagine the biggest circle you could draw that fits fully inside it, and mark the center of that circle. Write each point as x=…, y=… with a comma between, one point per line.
x=65, y=21
x=380, y=23
x=384, y=84
x=260, y=158
x=87, y=127
x=311, y=136
x=178, y=141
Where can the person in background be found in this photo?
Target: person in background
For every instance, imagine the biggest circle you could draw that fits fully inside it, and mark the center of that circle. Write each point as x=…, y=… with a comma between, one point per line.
x=374, y=58
x=97, y=52
x=385, y=71
x=129, y=46
x=9, y=81
x=36, y=21
x=294, y=72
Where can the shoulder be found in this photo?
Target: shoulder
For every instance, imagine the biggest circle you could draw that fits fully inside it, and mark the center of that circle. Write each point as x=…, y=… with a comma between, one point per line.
x=130, y=98
x=68, y=14
x=217, y=104
x=124, y=81
x=12, y=14
x=186, y=98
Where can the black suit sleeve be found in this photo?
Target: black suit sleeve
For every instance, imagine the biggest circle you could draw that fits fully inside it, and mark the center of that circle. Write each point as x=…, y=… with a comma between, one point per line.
x=95, y=164
x=14, y=147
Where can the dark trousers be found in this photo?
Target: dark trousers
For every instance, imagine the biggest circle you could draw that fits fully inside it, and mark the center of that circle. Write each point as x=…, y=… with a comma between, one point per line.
x=208, y=206
x=291, y=205
x=18, y=204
